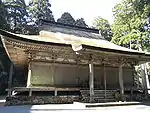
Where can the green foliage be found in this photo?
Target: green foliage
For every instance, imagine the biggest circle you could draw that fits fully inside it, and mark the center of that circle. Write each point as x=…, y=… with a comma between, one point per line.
x=40, y=9
x=16, y=14
x=3, y=12
x=130, y=17
x=66, y=18
x=80, y=22
x=104, y=27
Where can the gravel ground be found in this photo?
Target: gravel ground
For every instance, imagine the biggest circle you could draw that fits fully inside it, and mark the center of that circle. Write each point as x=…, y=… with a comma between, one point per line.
x=73, y=108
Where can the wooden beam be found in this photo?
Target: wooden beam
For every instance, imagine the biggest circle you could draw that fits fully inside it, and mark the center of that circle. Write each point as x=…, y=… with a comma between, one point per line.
x=91, y=79
x=10, y=79
x=121, y=82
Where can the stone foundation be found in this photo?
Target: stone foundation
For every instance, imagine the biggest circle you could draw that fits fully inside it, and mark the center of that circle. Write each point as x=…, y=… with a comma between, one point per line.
x=31, y=100
x=141, y=97
x=26, y=100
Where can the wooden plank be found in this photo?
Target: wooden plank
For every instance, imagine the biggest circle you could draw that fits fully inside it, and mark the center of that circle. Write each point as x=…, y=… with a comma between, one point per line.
x=10, y=79
x=121, y=82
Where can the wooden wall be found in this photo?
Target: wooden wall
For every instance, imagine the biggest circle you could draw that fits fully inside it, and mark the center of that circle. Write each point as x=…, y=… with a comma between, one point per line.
x=49, y=74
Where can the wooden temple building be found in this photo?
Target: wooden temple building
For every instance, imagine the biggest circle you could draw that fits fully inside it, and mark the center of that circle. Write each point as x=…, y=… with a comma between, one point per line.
x=67, y=58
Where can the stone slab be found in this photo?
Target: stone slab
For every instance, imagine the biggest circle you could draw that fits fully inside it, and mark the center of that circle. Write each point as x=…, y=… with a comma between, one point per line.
x=110, y=104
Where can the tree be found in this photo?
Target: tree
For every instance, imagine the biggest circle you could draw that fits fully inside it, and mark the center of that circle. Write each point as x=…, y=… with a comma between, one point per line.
x=130, y=18
x=3, y=22
x=66, y=18
x=80, y=22
x=104, y=27
x=40, y=9
x=16, y=14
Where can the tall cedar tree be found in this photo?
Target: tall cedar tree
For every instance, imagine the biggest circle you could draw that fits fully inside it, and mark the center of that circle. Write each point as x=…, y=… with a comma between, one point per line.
x=80, y=22
x=130, y=19
x=40, y=9
x=3, y=23
x=67, y=18
x=16, y=15
x=104, y=27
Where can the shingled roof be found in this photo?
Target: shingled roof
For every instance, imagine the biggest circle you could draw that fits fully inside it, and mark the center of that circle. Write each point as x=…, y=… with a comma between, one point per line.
x=70, y=29
x=47, y=37
x=17, y=44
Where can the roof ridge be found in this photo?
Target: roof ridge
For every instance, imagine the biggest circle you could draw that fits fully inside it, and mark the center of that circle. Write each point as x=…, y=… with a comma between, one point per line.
x=68, y=26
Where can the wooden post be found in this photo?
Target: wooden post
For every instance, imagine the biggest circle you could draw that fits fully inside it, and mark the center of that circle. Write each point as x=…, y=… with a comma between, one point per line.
x=30, y=91
x=10, y=79
x=121, y=82
x=104, y=80
x=145, y=79
x=55, y=92
x=91, y=79
x=131, y=94
x=29, y=75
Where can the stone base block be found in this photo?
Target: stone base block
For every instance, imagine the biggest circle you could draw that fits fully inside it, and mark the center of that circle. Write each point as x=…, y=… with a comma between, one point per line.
x=26, y=100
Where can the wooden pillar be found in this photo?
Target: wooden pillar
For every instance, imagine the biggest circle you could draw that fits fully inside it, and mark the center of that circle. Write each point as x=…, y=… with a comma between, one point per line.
x=121, y=82
x=145, y=79
x=91, y=79
x=10, y=79
x=30, y=92
x=55, y=92
x=29, y=75
x=105, y=81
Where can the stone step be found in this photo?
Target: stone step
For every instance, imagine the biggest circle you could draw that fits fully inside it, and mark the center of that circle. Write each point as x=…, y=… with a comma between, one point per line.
x=108, y=92
x=102, y=97
x=99, y=95
x=96, y=92
x=99, y=90
x=103, y=94
x=110, y=96
x=96, y=100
